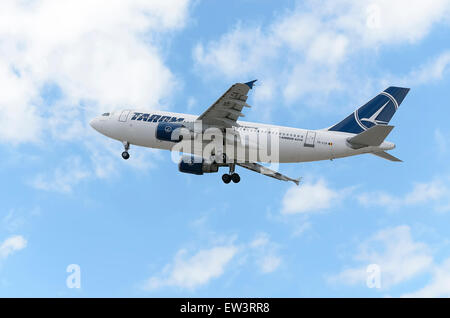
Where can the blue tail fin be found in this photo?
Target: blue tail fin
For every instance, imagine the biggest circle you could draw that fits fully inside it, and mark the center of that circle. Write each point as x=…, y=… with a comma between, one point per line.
x=377, y=111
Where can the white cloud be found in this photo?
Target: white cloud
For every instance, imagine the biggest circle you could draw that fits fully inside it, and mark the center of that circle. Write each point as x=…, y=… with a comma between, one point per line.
x=398, y=255
x=310, y=197
x=105, y=157
x=236, y=53
x=247, y=52
x=260, y=241
x=103, y=54
x=439, y=285
x=194, y=271
x=270, y=263
x=389, y=22
x=11, y=245
x=197, y=270
x=63, y=178
x=436, y=191
x=400, y=259
x=105, y=162
x=314, y=43
x=424, y=192
x=264, y=92
x=13, y=220
x=433, y=70
x=441, y=141
x=191, y=103
x=265, y=253
x=307, y=32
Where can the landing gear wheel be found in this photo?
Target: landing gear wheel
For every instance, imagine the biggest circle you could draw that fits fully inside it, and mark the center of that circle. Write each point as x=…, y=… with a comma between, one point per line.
x=125, y=154
x=226, y=178
x=235, y=177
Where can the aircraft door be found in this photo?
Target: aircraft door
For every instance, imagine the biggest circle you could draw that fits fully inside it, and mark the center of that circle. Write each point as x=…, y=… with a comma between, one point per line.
x=124, y=116
x=310, y=139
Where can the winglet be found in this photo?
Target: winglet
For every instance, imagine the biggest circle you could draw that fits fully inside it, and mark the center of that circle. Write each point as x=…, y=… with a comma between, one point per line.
x=296, y=181
x=250, y=84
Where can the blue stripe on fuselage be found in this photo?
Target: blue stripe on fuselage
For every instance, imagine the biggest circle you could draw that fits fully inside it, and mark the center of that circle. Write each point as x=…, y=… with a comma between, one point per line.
x=154, y=118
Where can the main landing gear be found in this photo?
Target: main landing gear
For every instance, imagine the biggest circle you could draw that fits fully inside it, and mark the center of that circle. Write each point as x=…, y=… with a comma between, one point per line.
x=231, y=176
x=125, y=154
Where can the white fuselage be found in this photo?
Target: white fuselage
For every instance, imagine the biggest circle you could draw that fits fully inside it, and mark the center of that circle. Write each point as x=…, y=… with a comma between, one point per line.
x=295, y=144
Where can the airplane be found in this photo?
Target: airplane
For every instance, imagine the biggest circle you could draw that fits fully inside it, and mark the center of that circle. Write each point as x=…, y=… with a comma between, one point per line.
x=363, y=131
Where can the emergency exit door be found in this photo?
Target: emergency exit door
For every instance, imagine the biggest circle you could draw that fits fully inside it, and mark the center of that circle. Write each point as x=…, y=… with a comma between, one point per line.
x=310, y=139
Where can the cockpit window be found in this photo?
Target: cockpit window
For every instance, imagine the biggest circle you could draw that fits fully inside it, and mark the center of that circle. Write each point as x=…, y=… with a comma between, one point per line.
x=105, y=114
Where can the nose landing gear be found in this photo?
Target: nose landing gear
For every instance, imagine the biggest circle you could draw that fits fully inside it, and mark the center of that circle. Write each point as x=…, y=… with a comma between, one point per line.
x=125, y=154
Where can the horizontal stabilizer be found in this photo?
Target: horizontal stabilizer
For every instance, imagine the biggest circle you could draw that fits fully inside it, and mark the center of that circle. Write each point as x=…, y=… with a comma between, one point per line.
x=373, y=136
x=385, y=155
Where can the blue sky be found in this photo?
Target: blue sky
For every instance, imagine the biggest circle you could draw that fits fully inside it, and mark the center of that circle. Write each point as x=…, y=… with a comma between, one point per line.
x=140, y=228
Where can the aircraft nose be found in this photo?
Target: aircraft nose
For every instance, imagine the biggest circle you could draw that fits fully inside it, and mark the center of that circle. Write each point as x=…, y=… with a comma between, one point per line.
x=95, y=123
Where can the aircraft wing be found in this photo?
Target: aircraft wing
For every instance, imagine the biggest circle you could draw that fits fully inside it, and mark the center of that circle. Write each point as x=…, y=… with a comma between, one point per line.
x=387, y=156
x=227, y=109
x=266, y=171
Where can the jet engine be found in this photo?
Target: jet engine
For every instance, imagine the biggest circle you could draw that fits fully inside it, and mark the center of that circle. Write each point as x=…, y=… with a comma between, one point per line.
x=169, y=132
x=196, y=165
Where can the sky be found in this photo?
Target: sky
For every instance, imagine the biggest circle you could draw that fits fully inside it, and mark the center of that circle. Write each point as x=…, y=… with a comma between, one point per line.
x=78, y=221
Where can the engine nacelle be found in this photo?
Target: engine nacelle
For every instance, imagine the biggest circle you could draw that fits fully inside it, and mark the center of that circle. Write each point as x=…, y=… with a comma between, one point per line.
x=169, y=132
x=195, y=165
